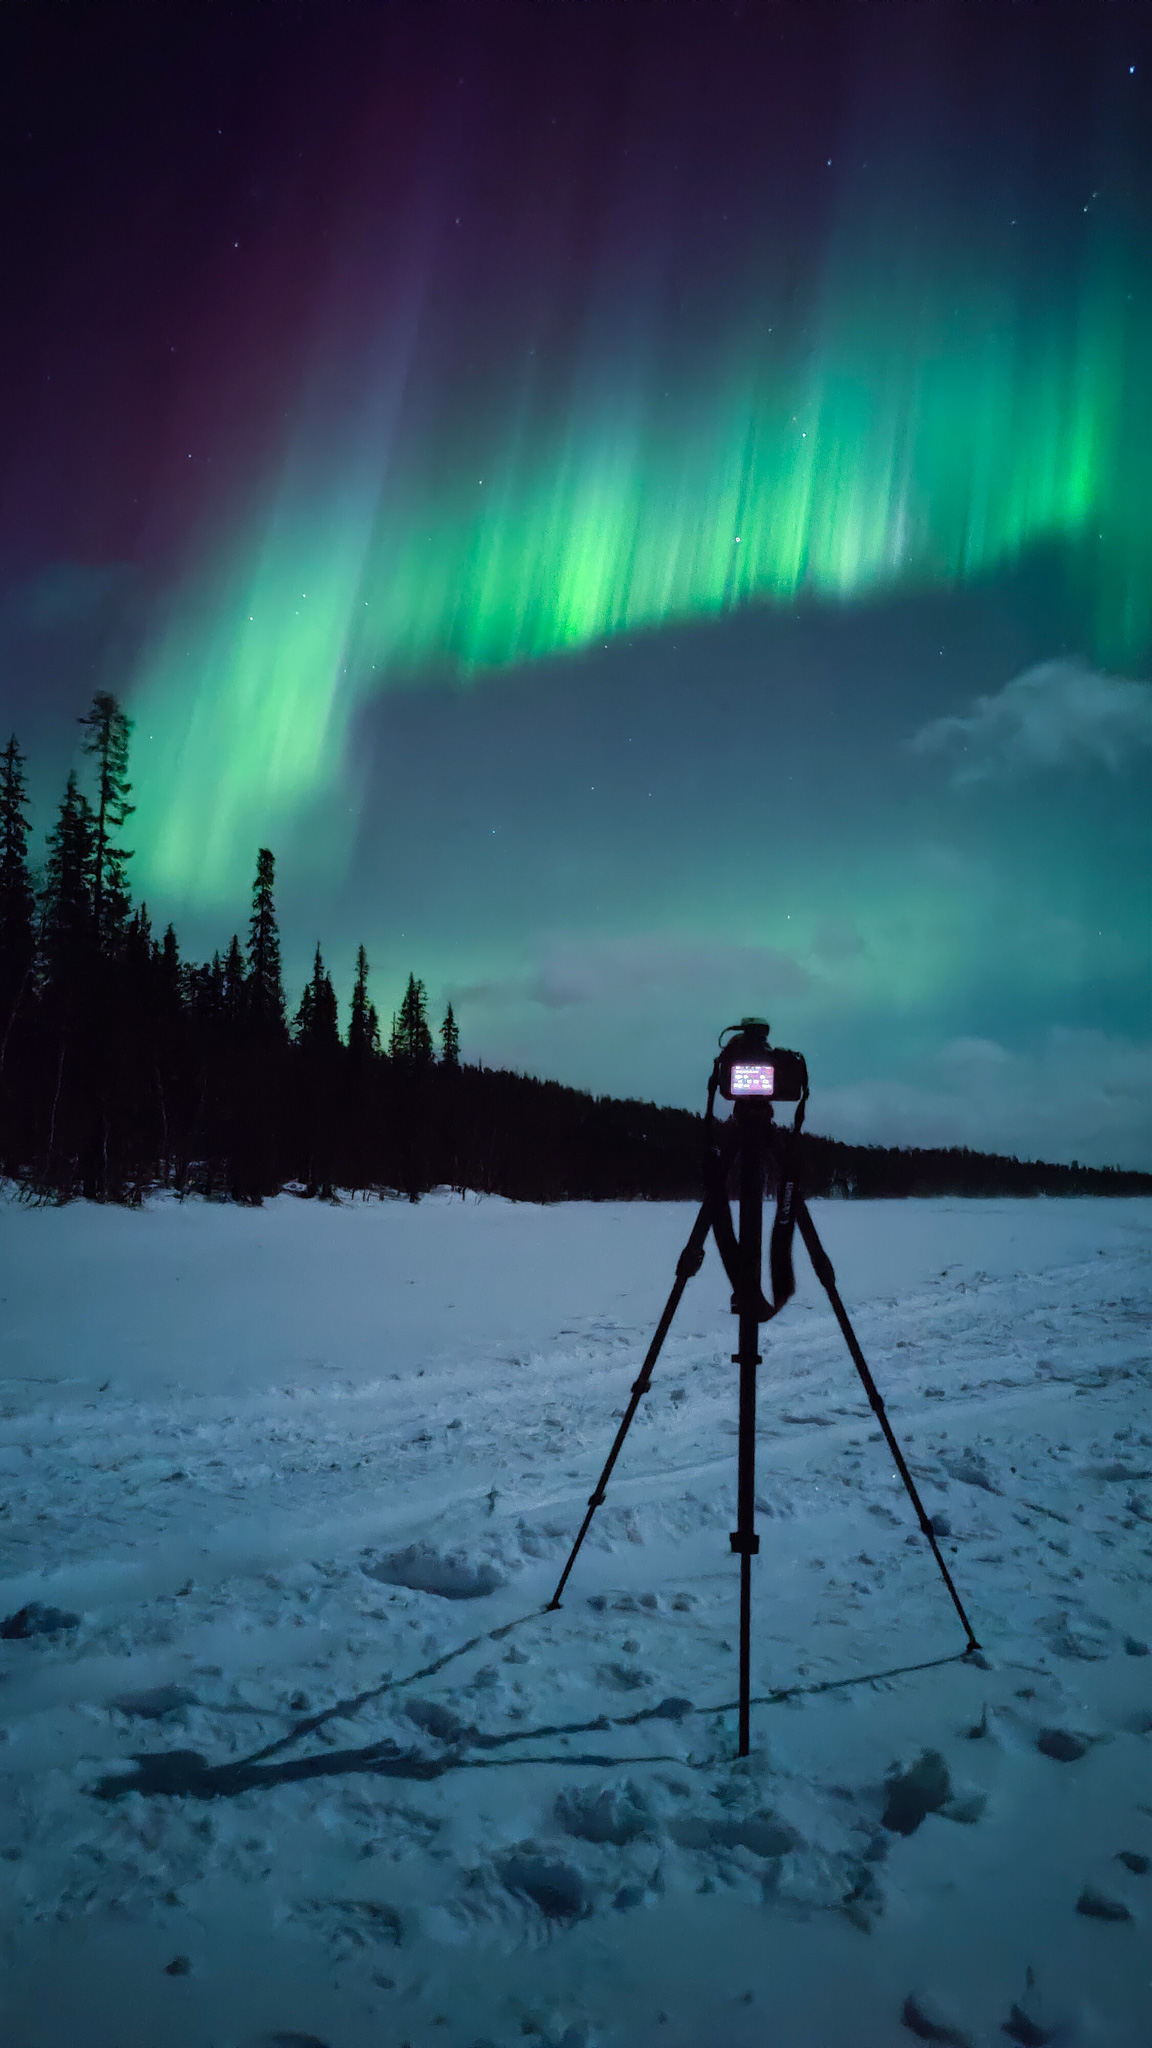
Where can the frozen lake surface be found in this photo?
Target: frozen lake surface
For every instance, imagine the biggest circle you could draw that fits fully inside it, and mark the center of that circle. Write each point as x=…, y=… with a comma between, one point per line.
x=311, y=1765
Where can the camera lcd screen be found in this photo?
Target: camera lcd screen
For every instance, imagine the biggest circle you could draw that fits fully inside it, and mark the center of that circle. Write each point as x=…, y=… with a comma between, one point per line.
x=752, y=1080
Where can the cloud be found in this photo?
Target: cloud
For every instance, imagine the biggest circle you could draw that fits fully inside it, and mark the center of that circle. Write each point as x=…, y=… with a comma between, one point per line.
x=650, y=966
x=644, y=969
x=1060, y=714
x=1080, y=1094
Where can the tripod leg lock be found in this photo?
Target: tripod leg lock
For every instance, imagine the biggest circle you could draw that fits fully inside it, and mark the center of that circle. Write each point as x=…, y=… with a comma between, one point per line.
x=745, y=1543
x=597, y=1500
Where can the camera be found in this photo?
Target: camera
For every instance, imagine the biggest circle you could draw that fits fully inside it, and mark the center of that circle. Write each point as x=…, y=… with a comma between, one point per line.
x=750, y=1069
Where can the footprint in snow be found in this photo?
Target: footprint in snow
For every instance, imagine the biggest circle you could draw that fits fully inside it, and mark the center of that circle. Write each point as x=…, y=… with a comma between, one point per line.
x=623, y=1677
x=1097, y=1905
x=449, y=1574
x=1022, y=2028
x=557, y=1889
x=759, y=1832
x=282, y=2040
x=37, y=1620
x=155, y=1704
x=615, y=1814
x=913, y=1794
x=1061, y=1745
x=437, y=1720
x=923, y=2018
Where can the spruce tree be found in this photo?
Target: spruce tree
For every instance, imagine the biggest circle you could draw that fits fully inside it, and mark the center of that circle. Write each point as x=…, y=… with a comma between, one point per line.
x=108, y=730
x=326, y=1024
x=449, y=1040
x=317, y=1024
x=304, y=1020
x=17, y=900
x=410, y=1045
x=206, y=991
x=233, y=983
x=264, y=988
x=68, y=890
x=364, y=1024
x=171, y=977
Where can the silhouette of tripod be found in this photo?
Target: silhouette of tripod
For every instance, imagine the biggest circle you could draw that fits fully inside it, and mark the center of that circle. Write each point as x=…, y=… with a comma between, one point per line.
x=752, y=1076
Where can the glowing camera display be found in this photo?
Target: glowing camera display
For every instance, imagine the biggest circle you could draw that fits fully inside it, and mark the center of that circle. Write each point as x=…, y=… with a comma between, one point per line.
x=750, y=1068
x=752, y=1079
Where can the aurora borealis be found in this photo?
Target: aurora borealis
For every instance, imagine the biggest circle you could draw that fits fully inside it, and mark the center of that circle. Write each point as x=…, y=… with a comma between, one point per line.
x=386, y=368
x=937, y=454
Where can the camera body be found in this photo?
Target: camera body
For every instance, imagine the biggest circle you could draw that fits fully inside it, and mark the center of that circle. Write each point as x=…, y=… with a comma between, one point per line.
x=750, y=1069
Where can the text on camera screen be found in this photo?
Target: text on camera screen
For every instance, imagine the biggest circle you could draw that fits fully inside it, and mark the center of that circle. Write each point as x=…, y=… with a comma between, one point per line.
x=753, y=1080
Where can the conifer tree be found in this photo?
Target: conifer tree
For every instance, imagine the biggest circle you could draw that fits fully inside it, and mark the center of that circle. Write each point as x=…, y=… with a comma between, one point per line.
x=139, y=935
x=108, y=730
x=449, y=1040
x=233, y=983
x=302, y=1022
x=410, y=1045
x=264, y=988
x=364, y=1024
x=171, y=978
x=317, y=1020
x=68, y=890
x=17, y=900
x=209, y=988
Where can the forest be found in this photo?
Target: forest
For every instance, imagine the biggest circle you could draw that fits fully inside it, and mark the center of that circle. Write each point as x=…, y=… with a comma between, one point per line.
x=126, y=1069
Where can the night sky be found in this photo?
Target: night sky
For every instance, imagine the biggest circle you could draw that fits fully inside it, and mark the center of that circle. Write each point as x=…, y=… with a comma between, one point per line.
x=645, y=508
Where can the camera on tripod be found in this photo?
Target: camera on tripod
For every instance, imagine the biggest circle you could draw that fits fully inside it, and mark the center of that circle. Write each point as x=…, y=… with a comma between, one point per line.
x=750, y=1069
x=752, y=1073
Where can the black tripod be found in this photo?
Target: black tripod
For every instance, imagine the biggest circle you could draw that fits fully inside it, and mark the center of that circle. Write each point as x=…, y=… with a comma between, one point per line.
x=751, y=1075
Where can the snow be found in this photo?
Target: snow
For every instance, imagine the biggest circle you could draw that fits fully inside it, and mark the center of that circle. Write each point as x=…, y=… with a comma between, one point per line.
x=311, y=1763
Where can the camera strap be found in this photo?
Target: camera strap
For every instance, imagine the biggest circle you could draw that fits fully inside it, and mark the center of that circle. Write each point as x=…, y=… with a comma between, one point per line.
x=747, y=1292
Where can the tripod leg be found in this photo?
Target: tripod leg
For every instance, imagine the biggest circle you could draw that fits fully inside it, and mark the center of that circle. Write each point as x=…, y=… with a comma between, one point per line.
x=690, y=1261
x=822, y=1266
x=743, y=1538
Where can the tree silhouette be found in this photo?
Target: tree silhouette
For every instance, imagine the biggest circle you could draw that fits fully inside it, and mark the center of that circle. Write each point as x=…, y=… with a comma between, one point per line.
x=233, y=986
x=410, y=1044
x=107, y=732
x=264, y=988
x=67, y=894
x=364, y=1024
x=317, y=1027
x=123, y=1067
x=449, y=1041
x=17, y=900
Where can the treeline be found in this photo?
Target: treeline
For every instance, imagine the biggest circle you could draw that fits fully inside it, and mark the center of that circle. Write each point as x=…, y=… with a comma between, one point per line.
x=125, y=1068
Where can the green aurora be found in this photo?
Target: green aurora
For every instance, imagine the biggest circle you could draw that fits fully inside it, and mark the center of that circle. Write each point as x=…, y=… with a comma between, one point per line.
x=911, y=434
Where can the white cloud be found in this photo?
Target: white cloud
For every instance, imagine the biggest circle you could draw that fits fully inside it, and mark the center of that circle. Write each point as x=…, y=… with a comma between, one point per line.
x=1060, y=714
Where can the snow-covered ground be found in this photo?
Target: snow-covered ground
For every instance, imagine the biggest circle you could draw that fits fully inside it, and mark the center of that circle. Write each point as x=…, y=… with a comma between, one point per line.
x=314, y=1765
